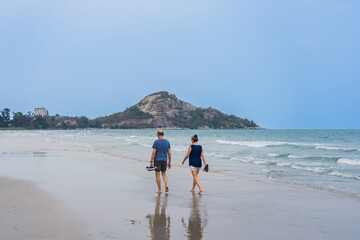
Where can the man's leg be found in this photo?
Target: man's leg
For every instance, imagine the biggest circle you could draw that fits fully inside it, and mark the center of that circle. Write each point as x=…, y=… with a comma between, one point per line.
x=165, y=181
x=158, y=182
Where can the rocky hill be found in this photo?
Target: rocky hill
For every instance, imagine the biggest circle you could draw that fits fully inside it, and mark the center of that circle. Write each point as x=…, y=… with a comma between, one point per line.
x=165, y=110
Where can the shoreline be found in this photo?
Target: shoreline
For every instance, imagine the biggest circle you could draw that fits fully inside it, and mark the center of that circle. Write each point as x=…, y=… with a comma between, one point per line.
x=114, y=196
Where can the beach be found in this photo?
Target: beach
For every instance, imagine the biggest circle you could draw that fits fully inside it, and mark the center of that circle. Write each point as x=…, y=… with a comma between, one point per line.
x=29, y=213
x=54, y=188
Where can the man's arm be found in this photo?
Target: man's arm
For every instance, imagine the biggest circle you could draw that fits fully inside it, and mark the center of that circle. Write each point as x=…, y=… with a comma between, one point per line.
x=152, y=157
x=169, y=156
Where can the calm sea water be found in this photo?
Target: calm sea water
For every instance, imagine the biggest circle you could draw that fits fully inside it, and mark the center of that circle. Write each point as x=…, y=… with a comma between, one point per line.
x=328, y=160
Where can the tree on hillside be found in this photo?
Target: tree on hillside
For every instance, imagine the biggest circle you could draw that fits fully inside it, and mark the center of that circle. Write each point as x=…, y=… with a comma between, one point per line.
x=82, y=122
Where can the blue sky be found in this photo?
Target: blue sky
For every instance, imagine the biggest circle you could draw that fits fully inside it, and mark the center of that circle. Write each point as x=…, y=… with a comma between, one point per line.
x=282, y=63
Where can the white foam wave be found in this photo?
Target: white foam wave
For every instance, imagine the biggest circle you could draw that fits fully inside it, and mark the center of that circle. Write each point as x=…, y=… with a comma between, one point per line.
x=283, y=164
x=258, y=162
x=335, y=148
x=339, y=174
x=129, y=141
x=272, y=155
x=146, y=145
x=294, y=156
x=179, y=149
x=218, y=155
x=245, y=159
x=315, y=169
x=257, y=144
x=349, y=161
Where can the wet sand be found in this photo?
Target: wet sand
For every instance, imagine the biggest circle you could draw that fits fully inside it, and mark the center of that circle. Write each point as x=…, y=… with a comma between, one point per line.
x=29, y=213
x=113, y=198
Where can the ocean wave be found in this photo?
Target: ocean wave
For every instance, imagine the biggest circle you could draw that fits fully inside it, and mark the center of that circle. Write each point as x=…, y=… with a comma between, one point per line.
x=349, y=162
x=340, y=174
x=283, y=164
x=272, y=155
x=314, y=158
x=325, y=147
x=261, y=144
x=257, y=144
x=146, y=145
x=218, y=155
x=179, y=149
x=277, y=155
x=310, y=169
x=130, y=140
x=291, y=156
x=258, y=162
x=247, y=159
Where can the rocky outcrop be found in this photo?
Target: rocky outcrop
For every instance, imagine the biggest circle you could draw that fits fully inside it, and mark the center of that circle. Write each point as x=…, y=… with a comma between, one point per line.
x=165, y=110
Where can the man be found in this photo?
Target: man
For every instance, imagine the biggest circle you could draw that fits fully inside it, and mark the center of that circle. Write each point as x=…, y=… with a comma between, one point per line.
x=161, y=151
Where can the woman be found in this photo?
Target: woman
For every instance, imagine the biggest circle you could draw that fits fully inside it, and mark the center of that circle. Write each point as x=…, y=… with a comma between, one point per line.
x=195, y=153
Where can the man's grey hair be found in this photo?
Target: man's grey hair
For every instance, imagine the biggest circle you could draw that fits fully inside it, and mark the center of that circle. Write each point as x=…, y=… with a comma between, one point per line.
x=160, y=132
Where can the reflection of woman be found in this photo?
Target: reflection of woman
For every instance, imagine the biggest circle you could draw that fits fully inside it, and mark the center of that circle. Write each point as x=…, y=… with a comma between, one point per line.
x=159, y=223
x=195, y=227
x=195, y=154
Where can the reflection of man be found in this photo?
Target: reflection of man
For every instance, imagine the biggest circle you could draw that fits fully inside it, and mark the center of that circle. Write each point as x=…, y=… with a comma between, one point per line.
x=159, y=223
x=161, y=151
x=195, y=227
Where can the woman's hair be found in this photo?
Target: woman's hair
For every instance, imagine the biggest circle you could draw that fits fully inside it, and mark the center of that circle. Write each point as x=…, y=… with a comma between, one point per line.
x=195, y=138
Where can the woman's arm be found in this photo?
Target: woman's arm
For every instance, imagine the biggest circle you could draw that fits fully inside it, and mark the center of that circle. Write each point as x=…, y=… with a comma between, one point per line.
x=187, y=155
x=202, y=156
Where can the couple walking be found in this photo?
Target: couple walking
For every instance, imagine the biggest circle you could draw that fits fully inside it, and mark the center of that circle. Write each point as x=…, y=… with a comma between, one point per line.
x=161, y=152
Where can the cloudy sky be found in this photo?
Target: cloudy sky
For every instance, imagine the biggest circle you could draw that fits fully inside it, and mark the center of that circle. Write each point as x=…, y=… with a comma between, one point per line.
x=282, y=63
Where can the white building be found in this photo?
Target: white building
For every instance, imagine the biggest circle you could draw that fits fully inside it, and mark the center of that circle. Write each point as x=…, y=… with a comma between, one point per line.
x=41, y=111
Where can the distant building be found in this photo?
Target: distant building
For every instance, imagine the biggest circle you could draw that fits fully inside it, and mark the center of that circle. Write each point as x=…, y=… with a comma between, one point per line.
x=41, y=111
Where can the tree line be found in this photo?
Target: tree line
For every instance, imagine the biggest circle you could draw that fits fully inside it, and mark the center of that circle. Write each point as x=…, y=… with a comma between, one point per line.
x=19, y=120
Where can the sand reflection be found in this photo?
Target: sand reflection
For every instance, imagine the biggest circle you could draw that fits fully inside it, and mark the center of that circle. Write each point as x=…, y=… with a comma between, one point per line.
x=159, y=222
x=196, y=225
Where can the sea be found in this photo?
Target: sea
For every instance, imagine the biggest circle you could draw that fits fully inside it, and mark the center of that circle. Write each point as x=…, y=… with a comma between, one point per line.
x=327, y=160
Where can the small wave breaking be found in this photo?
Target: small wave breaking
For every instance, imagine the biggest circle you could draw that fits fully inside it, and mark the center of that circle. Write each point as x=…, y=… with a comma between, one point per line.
x=260, y=144
x=324, y=147
x=347, y=161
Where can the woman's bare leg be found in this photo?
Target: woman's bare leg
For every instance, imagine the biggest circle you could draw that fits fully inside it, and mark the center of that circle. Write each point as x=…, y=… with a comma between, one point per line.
x=196, y=179
x=193, y=188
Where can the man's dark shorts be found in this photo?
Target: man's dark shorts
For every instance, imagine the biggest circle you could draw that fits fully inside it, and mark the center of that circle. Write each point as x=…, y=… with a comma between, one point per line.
x=160, y=165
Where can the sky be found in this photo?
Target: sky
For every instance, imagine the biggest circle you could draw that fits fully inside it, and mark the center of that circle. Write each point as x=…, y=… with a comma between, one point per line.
x=282, y=63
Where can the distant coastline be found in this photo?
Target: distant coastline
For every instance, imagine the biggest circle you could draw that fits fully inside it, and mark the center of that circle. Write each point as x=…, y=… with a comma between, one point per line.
x=98, y=129
x=158, y=110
